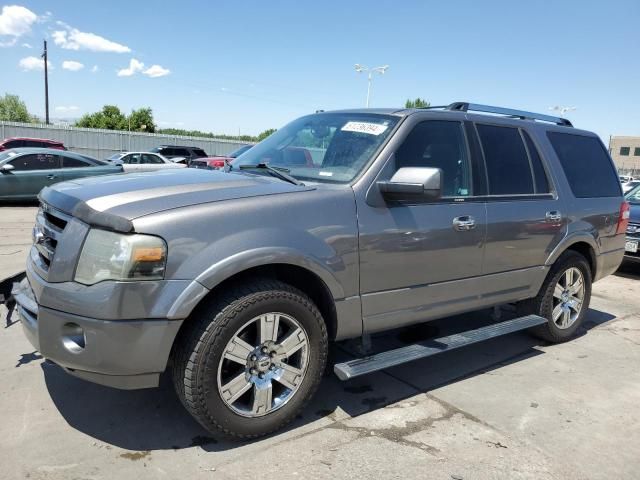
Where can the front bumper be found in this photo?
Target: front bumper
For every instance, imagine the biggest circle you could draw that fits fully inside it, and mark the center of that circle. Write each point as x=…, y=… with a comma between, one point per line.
x=121, y=353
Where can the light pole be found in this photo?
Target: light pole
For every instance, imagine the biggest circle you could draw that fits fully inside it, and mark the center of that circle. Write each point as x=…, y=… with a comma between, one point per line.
x=561, y=110
x=364, y=68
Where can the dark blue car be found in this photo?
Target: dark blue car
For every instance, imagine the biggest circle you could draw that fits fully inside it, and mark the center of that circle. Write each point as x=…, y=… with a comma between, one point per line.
x=632, y=251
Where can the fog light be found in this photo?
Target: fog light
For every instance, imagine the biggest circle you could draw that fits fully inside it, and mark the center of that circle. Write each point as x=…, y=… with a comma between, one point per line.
x=73, y=337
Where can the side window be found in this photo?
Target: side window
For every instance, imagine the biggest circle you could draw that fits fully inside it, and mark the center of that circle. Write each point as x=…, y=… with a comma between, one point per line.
x=199, y=152
x=508, y=169
x=149, y=158
x=169, y=152
x=71, y=162
x=540, y=179
x=182, y=152
x=35, y=161
x=134, y=158
x=439, y=144
x=586, y=164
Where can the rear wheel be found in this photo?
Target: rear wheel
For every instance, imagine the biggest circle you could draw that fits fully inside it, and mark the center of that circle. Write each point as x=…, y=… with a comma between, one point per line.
x=563, y=299
x=249, y=362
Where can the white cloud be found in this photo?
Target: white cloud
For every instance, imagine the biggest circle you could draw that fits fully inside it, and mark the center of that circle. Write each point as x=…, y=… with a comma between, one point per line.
x=27, y=45
x=33, y=63
x=67, y=109
x=135, y=66
x=72, y=65
x=16, y=20
x=73, y=39
x=155, y=71
x=8, y=43
x=94, y=69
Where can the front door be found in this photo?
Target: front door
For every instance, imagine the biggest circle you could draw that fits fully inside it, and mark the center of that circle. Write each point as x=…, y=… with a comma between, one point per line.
x=422, y=261
x=31, y=173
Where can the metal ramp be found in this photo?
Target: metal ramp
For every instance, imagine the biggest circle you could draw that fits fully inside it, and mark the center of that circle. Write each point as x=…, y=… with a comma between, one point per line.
x=391, y=358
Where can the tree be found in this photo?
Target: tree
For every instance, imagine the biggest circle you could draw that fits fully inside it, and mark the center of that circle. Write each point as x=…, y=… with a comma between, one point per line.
x=265, y=134
x=417, y=103
x=143, y=117
x=12, y=109
x=110, y=118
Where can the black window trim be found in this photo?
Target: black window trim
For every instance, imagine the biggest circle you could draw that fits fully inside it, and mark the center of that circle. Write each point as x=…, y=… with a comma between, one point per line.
x=552, y=195
x=543, y=161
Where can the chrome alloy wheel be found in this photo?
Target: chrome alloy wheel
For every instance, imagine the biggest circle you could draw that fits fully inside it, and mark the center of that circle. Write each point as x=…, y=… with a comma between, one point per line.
x=263, y=365
x=568, y=296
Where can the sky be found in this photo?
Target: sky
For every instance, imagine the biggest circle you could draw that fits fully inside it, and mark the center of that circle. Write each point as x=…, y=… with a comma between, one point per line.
x=245, y=66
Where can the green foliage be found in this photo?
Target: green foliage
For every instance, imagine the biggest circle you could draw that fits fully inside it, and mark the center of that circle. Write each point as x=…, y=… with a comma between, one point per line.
x=417, y=103
x=265, y=134
x=142, y=120
x=111, y=118
x=12, y=109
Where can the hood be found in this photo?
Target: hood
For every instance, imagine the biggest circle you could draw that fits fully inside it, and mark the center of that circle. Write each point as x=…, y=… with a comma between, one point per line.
x=113, y=201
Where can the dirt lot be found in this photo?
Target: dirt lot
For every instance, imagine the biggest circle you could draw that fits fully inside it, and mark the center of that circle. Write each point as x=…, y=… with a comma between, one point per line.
x=509, y=408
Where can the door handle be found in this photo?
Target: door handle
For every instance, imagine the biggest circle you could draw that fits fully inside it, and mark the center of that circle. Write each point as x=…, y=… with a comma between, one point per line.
x=51, y=176
x=464, y=223
x=553, y=216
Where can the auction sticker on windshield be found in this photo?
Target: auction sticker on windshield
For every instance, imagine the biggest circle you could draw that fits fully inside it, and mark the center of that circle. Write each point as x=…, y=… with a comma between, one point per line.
x=364, y=127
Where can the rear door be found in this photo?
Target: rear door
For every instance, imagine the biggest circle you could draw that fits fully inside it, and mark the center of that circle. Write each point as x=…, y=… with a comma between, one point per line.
x=31, y=173
x=73, y=167
x=526, y=219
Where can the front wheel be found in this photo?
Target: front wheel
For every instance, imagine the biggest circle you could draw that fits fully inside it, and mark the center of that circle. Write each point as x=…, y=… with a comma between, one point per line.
x=563, y=298
x=249, y=362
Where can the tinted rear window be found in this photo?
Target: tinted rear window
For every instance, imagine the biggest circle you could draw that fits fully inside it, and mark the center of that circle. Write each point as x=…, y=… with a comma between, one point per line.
x=199, y=152
x=539, y=175
x=586, y=165
x=507, y=162
x=71, y=162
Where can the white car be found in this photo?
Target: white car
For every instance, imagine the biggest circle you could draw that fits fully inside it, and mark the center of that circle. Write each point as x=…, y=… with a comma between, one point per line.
x=142, y=161
x=628, y=186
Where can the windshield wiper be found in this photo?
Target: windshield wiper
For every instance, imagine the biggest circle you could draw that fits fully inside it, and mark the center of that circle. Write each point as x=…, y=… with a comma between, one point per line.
x=279, y=172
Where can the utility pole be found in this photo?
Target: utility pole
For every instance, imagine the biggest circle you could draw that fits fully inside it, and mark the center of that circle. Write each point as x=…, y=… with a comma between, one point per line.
x=46, y=84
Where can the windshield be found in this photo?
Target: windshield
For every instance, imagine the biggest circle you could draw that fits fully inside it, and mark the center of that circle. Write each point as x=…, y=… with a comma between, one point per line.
x=633, y=196
x=116, y=156
x=239, y=151
x=325, y=147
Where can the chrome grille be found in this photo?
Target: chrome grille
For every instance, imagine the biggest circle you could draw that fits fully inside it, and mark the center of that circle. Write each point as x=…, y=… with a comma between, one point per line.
x=50, y=223
x=633, y=230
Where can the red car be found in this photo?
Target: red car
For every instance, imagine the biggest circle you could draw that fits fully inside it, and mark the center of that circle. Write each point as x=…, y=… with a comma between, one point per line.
x=17, y=142
x=218, y=161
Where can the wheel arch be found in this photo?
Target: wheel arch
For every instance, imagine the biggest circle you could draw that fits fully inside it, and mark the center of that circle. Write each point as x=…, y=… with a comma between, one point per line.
x=583, y=244
x=300, y=277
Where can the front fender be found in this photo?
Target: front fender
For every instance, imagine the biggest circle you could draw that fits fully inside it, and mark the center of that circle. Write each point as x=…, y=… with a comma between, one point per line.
x=257, y=257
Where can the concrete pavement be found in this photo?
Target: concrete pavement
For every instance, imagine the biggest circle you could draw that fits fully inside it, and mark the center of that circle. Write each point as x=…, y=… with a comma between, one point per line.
x=509, y=408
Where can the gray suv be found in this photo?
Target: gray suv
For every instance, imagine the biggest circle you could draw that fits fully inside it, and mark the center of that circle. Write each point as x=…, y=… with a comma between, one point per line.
x=339, y=225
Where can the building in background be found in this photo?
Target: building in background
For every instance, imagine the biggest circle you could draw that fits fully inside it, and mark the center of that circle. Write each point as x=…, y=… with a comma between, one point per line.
x=625, y=152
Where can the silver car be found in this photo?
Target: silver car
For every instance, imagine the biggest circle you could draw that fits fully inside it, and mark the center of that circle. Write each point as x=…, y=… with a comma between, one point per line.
x=339, y=225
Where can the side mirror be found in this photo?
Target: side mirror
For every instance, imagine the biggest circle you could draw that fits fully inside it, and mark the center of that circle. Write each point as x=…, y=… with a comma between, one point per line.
x=413, y=184
x=6, y=168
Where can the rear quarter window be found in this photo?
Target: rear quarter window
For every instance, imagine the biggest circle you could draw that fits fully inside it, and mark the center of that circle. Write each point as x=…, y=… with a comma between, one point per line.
x=586, y=165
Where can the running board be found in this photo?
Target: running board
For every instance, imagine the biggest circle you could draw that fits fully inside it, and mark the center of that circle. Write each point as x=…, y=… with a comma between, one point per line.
x=391, y=358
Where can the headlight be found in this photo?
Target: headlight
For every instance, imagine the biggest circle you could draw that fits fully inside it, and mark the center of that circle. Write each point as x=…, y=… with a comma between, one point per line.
x=113, y=256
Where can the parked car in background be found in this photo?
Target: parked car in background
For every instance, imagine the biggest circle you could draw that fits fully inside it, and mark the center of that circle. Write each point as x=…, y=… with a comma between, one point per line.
x=628, y=186
x=626, y=178
x=237, y=281
x=631, y=250
x=26, y=171
x=20, y=142
x=176, y=151
x=142, y=161
x=219, y=160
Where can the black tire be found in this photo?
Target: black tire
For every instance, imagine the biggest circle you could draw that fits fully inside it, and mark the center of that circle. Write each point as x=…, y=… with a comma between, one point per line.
x=542, y=304
x=199, y=348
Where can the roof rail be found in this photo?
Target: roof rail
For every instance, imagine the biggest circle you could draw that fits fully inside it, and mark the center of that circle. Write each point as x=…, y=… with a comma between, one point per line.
x=465, y=107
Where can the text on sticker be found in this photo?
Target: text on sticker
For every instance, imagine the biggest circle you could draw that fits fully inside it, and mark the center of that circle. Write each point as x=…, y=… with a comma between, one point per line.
x=364, y=127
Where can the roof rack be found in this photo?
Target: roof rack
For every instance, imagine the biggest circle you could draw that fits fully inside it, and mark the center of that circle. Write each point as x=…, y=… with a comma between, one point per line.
x=465, y=107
